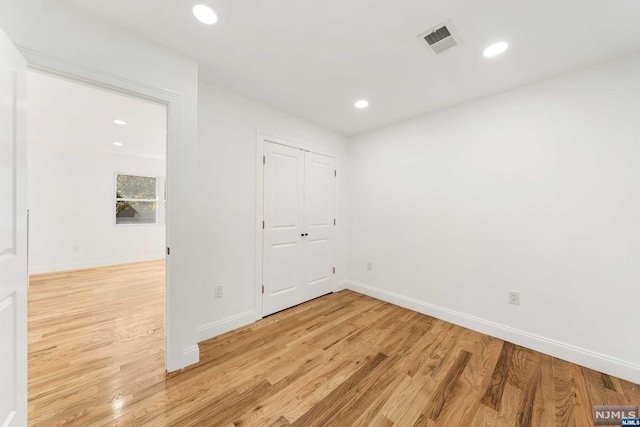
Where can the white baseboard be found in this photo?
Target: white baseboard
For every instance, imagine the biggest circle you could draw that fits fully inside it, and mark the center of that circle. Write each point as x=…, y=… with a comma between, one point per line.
x=40, y=269
x=579, y=356
x=220, y=327
x=190, y=355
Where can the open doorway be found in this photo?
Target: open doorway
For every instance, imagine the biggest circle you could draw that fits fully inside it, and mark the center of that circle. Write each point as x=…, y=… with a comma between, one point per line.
x=97, y=241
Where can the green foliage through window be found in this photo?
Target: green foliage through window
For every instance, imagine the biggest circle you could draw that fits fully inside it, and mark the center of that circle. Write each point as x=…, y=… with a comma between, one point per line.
x=136, y=187
x=136, y=199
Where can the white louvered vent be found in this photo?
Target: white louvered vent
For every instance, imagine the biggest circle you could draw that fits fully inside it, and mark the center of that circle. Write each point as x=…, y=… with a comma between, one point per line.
x=441, y=38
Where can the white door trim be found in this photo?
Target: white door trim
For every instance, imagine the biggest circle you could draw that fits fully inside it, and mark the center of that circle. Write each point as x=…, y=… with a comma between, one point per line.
x=261, y=138
x=174, y=355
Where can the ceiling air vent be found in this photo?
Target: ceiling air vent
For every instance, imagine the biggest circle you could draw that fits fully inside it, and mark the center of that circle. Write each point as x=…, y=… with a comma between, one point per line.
x=440, y=38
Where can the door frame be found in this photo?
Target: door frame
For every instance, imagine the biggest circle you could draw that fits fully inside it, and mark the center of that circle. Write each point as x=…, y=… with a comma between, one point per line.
x=37, y=61
x=262, y=138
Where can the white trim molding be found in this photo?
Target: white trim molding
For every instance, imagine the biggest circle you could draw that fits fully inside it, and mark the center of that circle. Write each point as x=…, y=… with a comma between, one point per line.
x=577, y=355
x=190, y=355
x=220, y=327
x=269, y=137
x=174, y=355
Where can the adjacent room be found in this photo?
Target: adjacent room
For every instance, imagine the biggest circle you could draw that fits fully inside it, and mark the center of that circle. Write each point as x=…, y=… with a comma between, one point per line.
x=97, y=166
x=320, y=214
x=96, y=178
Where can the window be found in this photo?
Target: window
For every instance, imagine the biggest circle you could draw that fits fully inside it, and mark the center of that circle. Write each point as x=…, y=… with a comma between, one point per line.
x=136, y=199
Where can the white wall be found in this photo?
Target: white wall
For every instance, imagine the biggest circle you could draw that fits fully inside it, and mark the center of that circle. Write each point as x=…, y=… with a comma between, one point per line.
x=72, y=210
x=211, y=183
x=57, y=31
x=534, y=190
x=228, y=128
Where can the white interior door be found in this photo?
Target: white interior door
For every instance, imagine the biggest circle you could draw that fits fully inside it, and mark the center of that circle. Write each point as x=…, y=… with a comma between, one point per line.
x=13, y=238
x=284, y=227
x=299, y=197
x=319, y=224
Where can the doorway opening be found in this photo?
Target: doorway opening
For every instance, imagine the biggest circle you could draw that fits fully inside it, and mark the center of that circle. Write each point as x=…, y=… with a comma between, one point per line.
x=97, y=237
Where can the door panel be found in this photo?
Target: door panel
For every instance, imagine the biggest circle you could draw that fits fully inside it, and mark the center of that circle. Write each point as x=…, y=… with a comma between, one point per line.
x=286, y=187
x=8, y=361
x=7, y=161
x=13, y=241
x=284, y=225
x=319, y=223
x=321, y=268
x=319, y=177
x=285, y=273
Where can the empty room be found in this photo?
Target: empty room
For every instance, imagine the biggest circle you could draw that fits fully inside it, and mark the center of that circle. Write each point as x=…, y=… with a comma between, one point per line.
x=410, y=213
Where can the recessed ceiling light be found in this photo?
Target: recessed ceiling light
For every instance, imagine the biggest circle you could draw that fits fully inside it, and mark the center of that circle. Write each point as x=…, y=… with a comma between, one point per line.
x=205, y=14
x=495, y=49
x=119, y=122
x=363, y=103
x=119, y=144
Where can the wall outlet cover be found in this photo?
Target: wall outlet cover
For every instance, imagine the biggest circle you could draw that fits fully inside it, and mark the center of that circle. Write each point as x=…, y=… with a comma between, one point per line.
x=218, y=292
x=514, y=297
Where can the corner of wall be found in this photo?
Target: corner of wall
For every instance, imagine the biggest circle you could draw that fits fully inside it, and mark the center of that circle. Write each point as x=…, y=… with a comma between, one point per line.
x=342, y=285
x=182, y=359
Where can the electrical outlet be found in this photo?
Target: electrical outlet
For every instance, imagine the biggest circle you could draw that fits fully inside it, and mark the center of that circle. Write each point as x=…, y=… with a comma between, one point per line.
x=369, y=266
x=217, y=292
x=514, y=297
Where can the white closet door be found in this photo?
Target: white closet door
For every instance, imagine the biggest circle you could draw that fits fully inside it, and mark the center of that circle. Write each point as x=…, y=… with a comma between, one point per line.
x=284, y=228
x=319, y=217
x=298, y=240
x=13, y=238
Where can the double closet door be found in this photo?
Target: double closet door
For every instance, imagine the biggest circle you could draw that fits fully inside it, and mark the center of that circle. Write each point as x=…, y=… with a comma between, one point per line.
x=299, y=225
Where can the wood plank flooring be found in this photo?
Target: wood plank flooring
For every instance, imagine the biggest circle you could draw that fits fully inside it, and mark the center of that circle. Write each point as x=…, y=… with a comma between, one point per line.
x=96, y=357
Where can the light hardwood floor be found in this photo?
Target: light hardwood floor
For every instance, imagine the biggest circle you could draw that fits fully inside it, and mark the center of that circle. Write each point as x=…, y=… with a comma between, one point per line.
x=96, y=358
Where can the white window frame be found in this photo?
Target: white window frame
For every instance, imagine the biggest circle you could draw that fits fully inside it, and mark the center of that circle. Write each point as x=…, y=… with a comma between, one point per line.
x=159, y=202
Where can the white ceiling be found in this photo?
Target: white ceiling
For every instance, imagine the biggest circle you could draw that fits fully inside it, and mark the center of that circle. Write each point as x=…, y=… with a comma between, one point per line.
x=76, y=116
x=314, y=59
